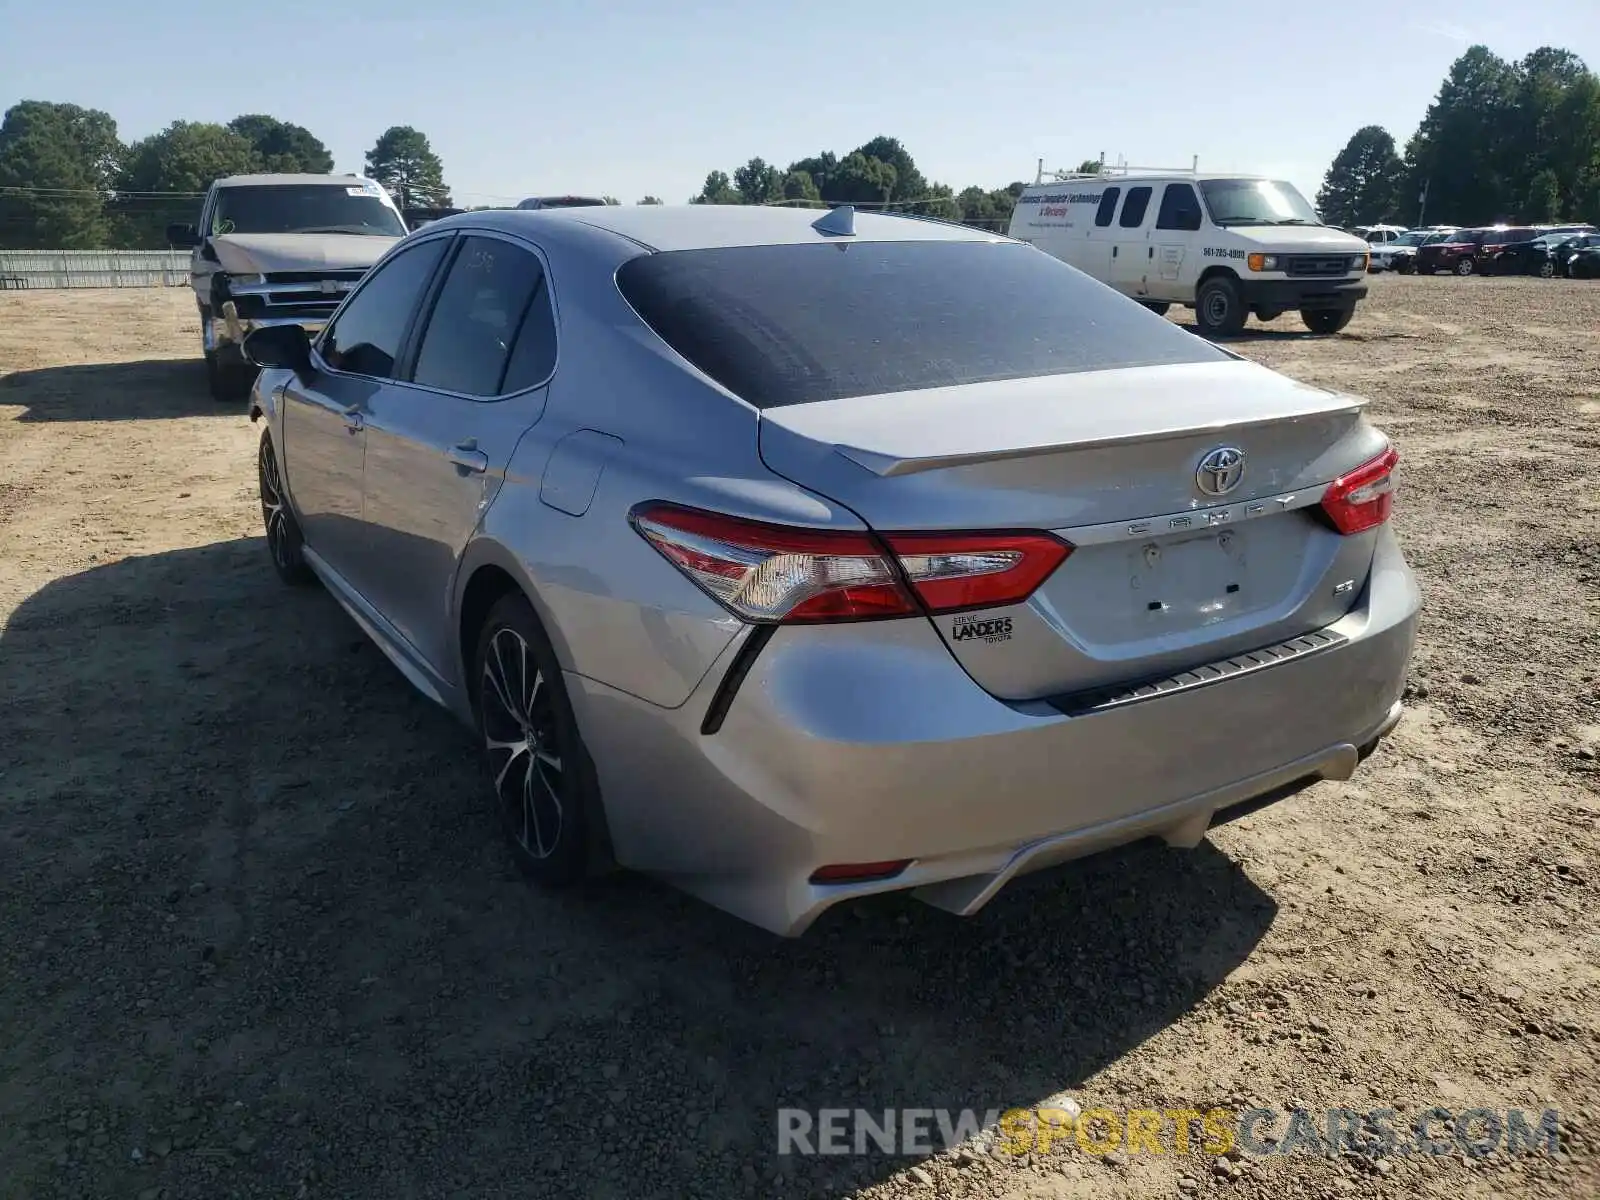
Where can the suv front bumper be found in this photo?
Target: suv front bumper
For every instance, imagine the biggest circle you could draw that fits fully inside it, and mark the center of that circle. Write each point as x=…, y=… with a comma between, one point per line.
x=228, y=329
x=1284, y=294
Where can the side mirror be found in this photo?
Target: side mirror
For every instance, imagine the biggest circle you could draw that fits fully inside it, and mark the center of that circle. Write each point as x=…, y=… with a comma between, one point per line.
x=284, y=347
x=183, y=235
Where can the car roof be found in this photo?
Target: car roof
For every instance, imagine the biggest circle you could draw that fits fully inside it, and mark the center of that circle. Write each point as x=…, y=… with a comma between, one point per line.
x=286, y=180
x=665, y=227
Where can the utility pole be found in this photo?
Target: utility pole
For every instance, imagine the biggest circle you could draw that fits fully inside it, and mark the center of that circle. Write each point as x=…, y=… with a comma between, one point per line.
x=1422, y=212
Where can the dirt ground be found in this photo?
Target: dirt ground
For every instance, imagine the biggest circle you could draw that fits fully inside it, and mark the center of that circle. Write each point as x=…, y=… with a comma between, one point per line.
x=259, y=937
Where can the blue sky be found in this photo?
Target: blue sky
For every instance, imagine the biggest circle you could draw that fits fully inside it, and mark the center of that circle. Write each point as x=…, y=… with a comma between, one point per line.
x=631, y=98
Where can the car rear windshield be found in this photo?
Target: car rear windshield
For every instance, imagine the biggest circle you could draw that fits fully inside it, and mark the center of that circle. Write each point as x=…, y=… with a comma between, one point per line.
x=304, y=208
x=793, y=324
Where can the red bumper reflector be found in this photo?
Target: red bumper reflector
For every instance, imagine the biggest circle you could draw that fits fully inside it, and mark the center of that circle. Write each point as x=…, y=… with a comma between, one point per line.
x=860, y=872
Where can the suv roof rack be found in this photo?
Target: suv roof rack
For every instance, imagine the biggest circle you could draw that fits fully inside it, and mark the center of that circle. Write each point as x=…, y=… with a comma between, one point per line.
x=1106, y=170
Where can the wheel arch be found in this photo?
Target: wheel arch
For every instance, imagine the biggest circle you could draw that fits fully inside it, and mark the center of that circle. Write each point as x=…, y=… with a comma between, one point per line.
x=1213, y=272
x=489, y=571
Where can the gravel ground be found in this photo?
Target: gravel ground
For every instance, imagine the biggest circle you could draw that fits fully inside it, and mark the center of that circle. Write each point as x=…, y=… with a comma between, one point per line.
x=259, y=938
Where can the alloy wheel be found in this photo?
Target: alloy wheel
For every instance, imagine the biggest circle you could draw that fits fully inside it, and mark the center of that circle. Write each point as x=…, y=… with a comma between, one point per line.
x=522, y=736
x=273, y=513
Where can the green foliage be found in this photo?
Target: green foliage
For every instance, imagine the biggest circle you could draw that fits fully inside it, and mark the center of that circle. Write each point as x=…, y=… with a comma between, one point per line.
x=718, y=189
x=758, y=182
x=283, y=147
x=1089, y=166
x=799, y=186
x=1509, y=141
x=404, y=162
x=58, y=163
x=1365, y=184
x=860, y=180
x=611, y=200
x=185, y=157
x=650, y=200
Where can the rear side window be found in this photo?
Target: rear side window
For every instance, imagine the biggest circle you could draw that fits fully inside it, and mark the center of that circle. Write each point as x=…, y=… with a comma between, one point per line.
x=794, y=324
x=1180, y=208
x=476, y=318
x=1133, y=211
x=1108, y=205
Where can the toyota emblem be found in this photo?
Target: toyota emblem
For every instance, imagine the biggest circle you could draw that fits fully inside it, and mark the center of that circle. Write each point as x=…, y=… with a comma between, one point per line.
x=1220, y=471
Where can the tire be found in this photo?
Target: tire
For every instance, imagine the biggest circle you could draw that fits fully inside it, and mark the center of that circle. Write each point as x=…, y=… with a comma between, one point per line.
x=285, y=545
x=1159, y=307
x=540, y=776
x=1325, y=321
x=1405, y=267
x=1465, y=266
x=228, y=382
x=1218, y=308
x=1547, y=270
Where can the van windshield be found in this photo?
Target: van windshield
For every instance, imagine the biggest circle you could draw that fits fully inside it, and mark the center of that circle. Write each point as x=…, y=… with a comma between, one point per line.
x=1256, y=202
x=304, y=208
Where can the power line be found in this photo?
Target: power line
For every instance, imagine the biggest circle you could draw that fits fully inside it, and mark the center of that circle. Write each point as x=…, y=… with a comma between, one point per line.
x=104, y=194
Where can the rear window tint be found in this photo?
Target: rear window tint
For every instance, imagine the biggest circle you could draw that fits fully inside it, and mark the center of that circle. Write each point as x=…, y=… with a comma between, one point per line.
x=793, y=324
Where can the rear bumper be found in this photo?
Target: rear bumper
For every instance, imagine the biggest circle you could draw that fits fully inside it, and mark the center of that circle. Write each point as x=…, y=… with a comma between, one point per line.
x=1302, y=293
x=869, y=743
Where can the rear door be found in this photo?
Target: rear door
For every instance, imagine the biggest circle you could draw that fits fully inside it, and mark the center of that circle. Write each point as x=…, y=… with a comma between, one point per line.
x=1131, y=252
x=439, y=439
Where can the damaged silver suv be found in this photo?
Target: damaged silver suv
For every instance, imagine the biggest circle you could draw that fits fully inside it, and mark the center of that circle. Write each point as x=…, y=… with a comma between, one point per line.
x=279, y=250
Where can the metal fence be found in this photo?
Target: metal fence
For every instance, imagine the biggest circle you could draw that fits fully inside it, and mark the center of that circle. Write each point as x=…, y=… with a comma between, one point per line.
x=93, y=268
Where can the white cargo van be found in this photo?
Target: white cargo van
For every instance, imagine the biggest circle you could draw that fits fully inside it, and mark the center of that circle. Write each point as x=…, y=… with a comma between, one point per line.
x=1223, y=245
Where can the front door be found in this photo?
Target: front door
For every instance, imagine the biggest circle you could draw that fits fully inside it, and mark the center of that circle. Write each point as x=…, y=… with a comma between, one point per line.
x=325, y=414
x=1177, y=221
x=1131, y=253
x=439, y=441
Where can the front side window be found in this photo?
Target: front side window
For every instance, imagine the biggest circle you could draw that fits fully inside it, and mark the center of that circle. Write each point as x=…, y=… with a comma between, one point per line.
x=365, y=337
x=797, y=324
x=304, y=208
x=475, y=320
x=1256, y=202
x=1180, y=208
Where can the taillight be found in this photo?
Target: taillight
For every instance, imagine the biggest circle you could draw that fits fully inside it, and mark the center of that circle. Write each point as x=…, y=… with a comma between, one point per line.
x=778, y=573
x=1363, y=498
x=976, y=570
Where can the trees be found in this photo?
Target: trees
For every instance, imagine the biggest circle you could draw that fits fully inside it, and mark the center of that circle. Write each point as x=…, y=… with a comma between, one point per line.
x=758, y=182
x=718, y=189
x=58, y=163
x=1365, y=182
x=404, y=162
x=650, y=200
x=283, y=146
x=183, y=158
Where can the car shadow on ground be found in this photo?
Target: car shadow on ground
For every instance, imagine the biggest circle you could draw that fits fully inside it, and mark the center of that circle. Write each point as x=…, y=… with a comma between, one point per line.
x=258, y=915
x=141, y=390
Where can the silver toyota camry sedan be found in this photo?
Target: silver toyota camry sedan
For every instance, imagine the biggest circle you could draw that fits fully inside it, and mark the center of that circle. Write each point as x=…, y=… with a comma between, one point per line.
x=792, y=558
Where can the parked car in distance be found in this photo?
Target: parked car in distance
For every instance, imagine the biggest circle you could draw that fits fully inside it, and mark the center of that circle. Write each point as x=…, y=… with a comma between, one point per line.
x=1378, y=235
x=1384, y=255
x=1456, y=252
x=1498, y=238
x=793, y=575
x=535, y=202
x=1584, y=262
x=1545, y=255
x=1226, y=246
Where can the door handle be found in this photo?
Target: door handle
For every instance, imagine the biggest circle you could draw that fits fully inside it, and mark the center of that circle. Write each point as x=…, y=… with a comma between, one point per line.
x=1113, y=252
x=468, y=457
x=353, y=420
x=1152, y=251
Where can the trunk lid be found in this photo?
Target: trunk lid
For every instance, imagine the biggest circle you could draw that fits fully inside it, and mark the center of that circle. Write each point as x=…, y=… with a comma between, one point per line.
x=1164, y=576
